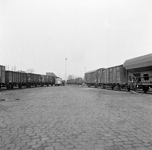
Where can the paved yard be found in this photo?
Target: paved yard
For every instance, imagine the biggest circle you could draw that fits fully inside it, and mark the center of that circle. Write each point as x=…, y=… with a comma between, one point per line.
x=75, y=118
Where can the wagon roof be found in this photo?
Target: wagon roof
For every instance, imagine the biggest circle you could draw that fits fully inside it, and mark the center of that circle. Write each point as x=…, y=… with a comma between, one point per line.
x=2, y=66
x=92, y=71
x=138, y=62
x=101, y=69
x=50, y=74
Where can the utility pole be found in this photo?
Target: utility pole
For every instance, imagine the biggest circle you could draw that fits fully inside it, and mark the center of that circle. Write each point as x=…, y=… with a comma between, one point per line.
x=65, y=69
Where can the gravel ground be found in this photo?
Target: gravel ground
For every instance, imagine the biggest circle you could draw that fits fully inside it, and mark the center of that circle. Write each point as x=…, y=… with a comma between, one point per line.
x=75, y=118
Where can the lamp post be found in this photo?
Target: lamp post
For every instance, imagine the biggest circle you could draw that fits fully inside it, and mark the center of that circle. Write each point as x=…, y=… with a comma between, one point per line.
x=65, y=69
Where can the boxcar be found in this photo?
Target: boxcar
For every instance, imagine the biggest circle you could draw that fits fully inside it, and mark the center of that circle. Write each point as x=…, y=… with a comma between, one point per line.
x=90, y=78
x=78, y=81
x=2, y=76
x=139, y=71
x=71, y=81
x=113, y=77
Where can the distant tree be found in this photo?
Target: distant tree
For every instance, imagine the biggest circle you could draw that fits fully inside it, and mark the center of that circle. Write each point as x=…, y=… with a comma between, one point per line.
x=7, y=67
x=14, y=68
x=21, y=71
x=31, y=70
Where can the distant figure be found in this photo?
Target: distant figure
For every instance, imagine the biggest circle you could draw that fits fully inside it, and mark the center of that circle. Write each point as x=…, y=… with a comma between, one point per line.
x=63, y=82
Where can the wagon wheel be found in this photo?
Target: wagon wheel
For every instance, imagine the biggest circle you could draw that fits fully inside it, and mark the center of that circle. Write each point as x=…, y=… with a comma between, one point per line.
x=12, y=86
x=128, y=88
x=145, y=89
x=7, y=87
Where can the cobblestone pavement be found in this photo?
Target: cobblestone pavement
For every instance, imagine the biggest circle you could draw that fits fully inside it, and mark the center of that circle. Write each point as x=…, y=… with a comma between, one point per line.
x=75, y=118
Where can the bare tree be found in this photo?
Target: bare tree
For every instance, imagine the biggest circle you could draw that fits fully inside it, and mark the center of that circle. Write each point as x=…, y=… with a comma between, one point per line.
x=6, y=66
x=31, y=70
x=14, y=68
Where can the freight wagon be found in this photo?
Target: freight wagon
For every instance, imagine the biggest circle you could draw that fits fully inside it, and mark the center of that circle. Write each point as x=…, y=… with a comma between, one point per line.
x=113, y=77
x=11, y=79
x=90, y=78
x=139, y=72
x=71, y=81
x=33, y=79
x=134, y=74
x=78, y=81
x=15, y=79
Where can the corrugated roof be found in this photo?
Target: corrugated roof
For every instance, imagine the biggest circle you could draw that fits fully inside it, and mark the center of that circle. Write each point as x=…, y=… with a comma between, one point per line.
x=50, y=74
x=95, y=70
x=138, y=62
x=92, y=71
x=101, y=69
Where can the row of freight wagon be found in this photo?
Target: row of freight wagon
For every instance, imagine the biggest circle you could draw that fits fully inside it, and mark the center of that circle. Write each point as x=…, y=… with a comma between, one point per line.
x=10, y=79
x=134, y=74
x=77, y=81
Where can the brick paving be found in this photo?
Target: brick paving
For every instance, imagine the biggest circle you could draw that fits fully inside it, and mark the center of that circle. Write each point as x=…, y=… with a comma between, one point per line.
x=75, y=118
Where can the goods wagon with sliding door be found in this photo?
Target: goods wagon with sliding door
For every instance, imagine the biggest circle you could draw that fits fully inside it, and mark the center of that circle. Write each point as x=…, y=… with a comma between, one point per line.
x=114, y=77
x=90, y=78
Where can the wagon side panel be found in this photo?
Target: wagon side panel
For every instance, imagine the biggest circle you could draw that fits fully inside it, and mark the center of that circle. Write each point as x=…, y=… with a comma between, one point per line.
x=110, y=75
x=123, y=75
x=2, y=74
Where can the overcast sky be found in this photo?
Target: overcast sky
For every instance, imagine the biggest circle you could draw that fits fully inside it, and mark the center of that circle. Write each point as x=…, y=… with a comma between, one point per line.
x=91, y=34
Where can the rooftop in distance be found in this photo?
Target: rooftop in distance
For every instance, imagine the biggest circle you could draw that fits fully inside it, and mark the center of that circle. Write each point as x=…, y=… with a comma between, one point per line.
x=50, y=74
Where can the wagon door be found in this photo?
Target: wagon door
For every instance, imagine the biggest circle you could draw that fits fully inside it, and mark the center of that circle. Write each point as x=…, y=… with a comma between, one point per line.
x=107, y=76
x=118, y=75
x=123, y=75
x=114, y=75
x=110, y=76
x=102, y=76
x=98, y=76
